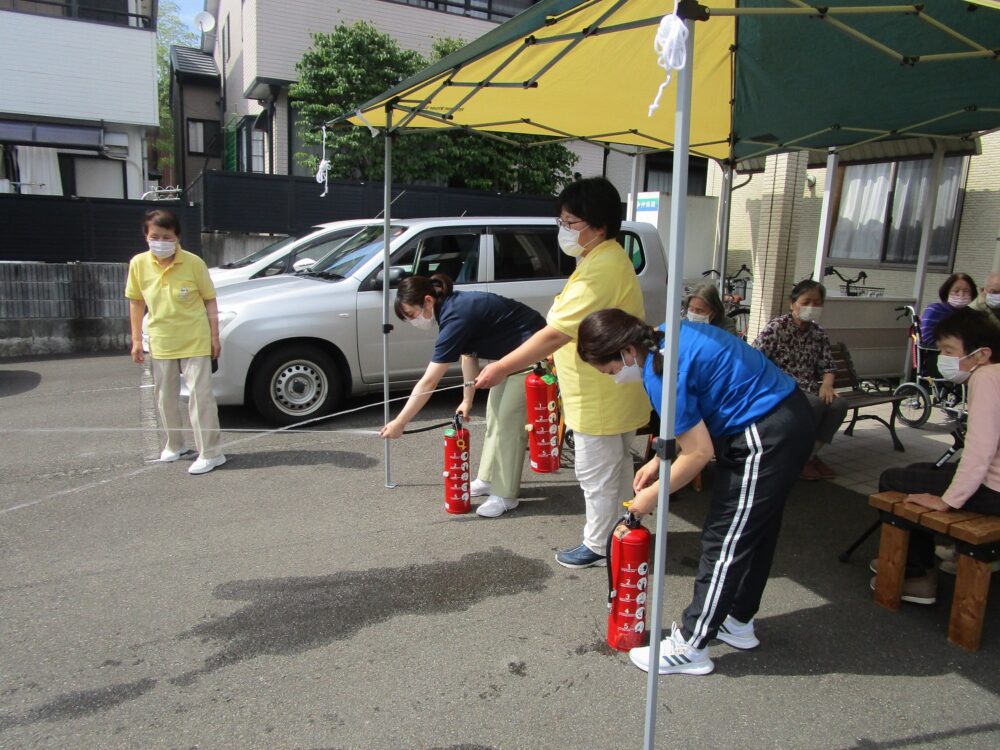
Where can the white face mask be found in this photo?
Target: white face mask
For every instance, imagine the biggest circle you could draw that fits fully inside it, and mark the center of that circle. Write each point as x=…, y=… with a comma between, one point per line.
x=950, y=370
x=955, y=301
x=696, y=318
x=993, y=301
x=162, y=248
x=630, y=373
x=421, y=322
x=810, y=314
x=569, y=241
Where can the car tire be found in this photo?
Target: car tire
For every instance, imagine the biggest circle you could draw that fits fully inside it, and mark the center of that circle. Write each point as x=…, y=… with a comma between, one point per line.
x=295, y=383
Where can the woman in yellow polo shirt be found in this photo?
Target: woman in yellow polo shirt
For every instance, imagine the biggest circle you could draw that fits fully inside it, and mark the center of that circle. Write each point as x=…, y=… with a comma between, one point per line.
x=603, y=415
x=183, y=327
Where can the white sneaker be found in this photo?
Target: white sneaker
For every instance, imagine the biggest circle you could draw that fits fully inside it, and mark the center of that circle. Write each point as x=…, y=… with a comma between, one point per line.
x=737, y=634
x=676, y=656
x=495, y=506
x=205, y=465
x=479, y=488
x=168, y=456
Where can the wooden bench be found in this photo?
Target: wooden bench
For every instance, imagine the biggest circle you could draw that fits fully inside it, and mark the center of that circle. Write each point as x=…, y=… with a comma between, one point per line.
x=977, y=542
x=849, y=388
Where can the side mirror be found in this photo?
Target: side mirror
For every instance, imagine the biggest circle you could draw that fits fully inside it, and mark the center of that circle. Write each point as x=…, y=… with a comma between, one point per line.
x=302, y=264
x=396, y=274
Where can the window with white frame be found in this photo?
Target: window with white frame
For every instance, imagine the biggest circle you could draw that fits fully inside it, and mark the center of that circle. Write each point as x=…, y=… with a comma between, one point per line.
x=880, y=208
x=257, y=141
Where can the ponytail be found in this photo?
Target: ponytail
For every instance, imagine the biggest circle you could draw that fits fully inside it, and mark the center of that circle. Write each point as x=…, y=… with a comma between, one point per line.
x=413, y=289
x=604, y=334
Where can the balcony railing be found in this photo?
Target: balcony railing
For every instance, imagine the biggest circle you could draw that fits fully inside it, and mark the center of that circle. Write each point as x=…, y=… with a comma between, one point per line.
x=115, y=12
x=487, y=10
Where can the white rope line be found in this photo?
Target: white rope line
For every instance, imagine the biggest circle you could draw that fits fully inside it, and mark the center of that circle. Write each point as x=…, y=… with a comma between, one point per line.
x=323, y=170
x=670, y=45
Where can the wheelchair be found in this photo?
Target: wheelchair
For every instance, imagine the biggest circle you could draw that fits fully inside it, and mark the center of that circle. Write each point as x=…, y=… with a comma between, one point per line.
x=928, y=389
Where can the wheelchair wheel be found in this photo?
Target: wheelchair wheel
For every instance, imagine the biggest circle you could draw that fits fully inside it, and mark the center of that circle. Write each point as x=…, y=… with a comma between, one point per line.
x=916, y=407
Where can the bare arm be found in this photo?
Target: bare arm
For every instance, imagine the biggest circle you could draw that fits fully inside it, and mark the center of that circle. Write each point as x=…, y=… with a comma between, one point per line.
x=696, y=451
x=470, y=370
x=136, y=309
x=538, y=347
x=418, y=397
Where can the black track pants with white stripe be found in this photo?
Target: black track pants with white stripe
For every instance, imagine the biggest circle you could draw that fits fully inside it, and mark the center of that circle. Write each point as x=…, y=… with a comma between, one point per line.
x=755, y=470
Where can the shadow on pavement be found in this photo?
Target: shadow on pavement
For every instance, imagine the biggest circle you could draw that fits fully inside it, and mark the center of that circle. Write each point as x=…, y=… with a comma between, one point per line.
x=14, y=382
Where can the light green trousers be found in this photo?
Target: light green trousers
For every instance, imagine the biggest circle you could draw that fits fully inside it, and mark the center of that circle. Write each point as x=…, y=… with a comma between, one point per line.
x=506, y=438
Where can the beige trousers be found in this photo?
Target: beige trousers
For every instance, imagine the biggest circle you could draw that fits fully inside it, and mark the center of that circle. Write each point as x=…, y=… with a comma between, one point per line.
x=202, y=410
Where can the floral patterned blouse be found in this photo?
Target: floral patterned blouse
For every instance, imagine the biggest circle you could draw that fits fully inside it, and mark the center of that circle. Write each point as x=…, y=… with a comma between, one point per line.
x=804, y=353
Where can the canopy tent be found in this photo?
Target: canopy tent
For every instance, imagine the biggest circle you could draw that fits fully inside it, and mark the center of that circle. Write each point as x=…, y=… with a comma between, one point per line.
x=762, y=77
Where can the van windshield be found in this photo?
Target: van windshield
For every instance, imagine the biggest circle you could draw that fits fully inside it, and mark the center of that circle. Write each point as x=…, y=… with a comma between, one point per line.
x=259, y=254
x=353, y=252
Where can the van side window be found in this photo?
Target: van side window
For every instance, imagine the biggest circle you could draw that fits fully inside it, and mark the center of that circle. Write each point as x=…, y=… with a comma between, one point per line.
x=530, y=253
x=456, y=255
x=633, y=246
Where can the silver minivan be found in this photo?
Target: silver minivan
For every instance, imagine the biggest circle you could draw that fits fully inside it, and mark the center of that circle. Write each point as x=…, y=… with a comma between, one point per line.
x=295, y=345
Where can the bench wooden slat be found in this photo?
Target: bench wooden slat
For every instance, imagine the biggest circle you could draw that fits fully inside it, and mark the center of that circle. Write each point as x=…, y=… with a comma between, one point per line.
x=982, y=530
x=942, y=520
x=911, y=511
x=885, y=500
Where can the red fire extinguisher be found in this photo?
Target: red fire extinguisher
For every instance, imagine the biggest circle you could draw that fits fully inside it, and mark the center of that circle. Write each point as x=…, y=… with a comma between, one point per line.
x=628, y=576
x=457, y=452
x=541, y=394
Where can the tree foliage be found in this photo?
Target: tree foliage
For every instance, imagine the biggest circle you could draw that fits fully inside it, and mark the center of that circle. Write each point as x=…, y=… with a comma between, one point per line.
x=169, y=30
x=355, y=63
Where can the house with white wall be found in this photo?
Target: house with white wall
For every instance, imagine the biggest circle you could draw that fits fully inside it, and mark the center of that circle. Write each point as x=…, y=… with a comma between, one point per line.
x=79, y=96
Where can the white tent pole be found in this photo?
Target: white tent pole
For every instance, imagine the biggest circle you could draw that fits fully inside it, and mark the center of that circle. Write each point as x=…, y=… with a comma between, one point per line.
x=675, y=288
x=633, y=206
x=926, y=231
x=386, y=326
x=927, y=220
x=722, y=241
x=825, y=218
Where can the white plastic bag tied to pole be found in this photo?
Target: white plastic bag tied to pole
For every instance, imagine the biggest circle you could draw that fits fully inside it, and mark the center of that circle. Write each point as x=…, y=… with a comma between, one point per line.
x=670, y=44
x=323, y=171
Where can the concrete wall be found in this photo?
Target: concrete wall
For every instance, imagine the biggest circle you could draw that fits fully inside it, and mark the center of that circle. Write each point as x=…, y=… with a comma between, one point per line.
x=217, y=249
x=55, y=308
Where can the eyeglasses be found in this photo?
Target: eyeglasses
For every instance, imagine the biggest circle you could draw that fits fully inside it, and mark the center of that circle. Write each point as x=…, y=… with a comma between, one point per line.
x=568, y=223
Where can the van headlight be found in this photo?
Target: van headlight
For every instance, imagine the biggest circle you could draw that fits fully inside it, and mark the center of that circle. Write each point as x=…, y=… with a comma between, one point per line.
x=225, y=318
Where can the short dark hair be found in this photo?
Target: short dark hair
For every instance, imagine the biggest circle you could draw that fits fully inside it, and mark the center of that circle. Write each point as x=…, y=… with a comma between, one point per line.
x=950, y=282
x=973, y=328
x=807, y=285
x=596, y=201
x=413, y=289
x=163, y=218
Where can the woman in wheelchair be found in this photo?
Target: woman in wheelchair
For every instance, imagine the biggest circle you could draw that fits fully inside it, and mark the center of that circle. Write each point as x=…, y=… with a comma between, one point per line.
x=970, y=352
x=957, y=291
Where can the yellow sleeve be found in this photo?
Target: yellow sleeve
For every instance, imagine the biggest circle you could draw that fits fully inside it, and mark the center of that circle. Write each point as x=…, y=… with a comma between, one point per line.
x=204, y=280
x=133, y=290
x=574, y=303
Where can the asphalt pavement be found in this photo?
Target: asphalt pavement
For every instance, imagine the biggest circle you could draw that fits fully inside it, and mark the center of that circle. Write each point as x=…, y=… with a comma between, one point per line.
x=290, y=600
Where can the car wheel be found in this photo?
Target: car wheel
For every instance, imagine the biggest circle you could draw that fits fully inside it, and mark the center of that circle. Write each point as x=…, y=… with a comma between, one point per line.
x=295, y=383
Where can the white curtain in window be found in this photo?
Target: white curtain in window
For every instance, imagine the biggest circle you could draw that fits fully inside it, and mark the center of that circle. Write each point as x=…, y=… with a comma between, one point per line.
x=38, y=170
x=861, y=217
x=912, y=190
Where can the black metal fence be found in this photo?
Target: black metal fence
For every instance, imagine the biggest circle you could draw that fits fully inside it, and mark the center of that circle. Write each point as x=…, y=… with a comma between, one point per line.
x=277, y=204
x=59, y=230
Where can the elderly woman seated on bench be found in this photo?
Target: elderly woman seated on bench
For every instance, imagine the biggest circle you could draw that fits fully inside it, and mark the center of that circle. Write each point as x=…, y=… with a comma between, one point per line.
x=970, y=352
x=798, y=345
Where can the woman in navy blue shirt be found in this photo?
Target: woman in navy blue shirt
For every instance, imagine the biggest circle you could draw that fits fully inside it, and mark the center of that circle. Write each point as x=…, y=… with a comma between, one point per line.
x=734, y=403
x=473, y=325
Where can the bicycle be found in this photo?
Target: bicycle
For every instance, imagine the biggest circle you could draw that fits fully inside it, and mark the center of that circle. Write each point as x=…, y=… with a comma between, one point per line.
x=734, y=291
x=928, y=389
